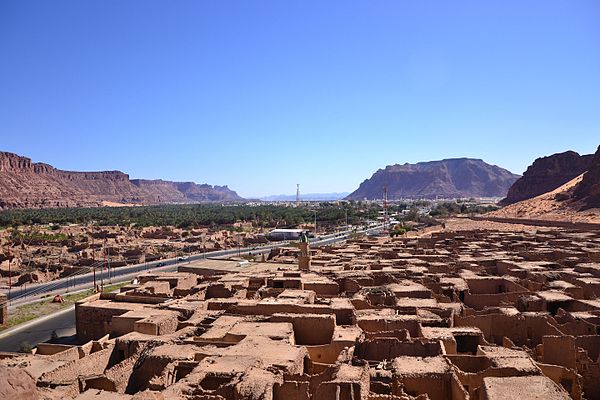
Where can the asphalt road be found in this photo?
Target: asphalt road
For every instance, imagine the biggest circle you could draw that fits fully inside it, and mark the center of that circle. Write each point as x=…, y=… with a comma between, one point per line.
x=32, y=292
x=40, y=330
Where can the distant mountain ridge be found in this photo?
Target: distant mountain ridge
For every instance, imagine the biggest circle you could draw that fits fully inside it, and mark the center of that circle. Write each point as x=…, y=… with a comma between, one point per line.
x=24, y=184
x=448, y=178
x=306, y=197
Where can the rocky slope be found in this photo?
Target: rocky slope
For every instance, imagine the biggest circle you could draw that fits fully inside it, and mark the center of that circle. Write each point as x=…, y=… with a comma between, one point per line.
x=547, y=174
x=177, y=192
x=577, y=200
x=24, y=184
x=450, y=178
x=587, y=193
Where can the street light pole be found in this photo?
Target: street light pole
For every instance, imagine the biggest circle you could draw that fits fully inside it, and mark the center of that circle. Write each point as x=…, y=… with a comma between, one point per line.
x=346, y=220
x=108, y=265
x=9, y=272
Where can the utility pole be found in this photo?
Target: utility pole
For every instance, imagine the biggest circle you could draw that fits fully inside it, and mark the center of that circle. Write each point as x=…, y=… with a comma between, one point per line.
x=108, y=265
x=346, y=219
x=93, y=249
x=146, y=257
x=315, y=222
x=93, y=255
x=103, y=264
x=9, y=271
x=385, y=205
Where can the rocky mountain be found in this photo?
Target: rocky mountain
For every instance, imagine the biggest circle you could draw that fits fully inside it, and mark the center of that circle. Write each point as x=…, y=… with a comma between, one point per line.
x=588, y=191
x=547, y=174
x=449, y=178
x=577, y=200
x=24, y=184
x=179, y=192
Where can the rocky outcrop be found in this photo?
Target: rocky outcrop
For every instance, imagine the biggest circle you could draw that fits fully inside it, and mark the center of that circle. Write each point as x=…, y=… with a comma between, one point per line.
x=450, y=178
x=177, y=192
x=588, y=191
x=577, y=200
x=547, y=174
x=24, y=184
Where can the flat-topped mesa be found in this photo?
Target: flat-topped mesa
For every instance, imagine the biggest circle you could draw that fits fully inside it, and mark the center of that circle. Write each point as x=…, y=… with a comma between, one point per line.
x=24, y=184
x=10, y=162
x=14, y=162
x=547, y=174
x=162, y=191
x=448, y=178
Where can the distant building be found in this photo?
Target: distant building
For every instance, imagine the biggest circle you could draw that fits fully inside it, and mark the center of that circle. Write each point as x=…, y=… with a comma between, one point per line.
x=285, y=234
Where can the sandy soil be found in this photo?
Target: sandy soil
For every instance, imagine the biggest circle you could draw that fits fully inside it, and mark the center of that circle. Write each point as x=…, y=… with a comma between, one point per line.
x=550, y=207
x=114, y=204
x=465, y=224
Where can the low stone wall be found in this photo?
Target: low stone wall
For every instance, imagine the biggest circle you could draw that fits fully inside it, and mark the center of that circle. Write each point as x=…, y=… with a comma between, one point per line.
x=577, y=226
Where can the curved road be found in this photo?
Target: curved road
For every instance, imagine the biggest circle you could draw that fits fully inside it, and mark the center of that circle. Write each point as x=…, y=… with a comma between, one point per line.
x=32, y=292
x=63, y=322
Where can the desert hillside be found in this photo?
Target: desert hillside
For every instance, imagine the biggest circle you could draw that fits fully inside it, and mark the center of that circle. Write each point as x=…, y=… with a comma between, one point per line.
x=577, y=200
x=24, y=184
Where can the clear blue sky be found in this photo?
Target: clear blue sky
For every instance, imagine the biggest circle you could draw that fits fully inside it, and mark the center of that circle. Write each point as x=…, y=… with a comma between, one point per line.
x=261, y=95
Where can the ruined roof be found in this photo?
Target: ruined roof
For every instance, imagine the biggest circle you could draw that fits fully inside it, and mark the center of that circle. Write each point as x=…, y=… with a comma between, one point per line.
x=522, y=388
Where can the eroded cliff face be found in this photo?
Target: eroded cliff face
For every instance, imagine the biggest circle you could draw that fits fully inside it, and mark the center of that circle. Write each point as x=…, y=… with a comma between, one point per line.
x=588, y=191
x=450, y=178
x=161, y=191
x=577, y=200
x=547, y=174
x=24, y=184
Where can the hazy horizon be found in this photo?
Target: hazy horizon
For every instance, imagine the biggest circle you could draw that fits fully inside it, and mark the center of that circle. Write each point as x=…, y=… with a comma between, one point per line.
x=262, y=96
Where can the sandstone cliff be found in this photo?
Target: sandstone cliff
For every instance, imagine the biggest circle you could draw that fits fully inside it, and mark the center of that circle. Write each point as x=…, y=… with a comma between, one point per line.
x=177, y=192
x=577, y=200
x=450, y=178
x=588, y=191
x=24, y=184
x=547, y=174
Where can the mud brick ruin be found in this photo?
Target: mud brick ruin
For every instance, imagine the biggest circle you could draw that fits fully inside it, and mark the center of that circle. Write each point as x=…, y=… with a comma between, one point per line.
x=483, y=315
